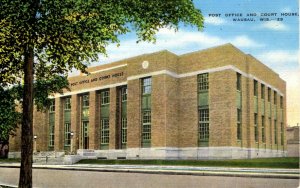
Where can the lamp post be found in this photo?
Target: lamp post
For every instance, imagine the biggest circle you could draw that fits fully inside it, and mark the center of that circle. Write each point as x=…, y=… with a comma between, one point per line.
x=71, y=134
x=34, y=138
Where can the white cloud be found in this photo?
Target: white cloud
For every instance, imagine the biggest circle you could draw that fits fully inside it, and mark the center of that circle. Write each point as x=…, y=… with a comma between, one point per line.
x=286, y=9
x=214, y=20
x=279, y=57
x=281, y=61
x=245, y=41
x=292, y=78
x=275, y=25
x=178, y=42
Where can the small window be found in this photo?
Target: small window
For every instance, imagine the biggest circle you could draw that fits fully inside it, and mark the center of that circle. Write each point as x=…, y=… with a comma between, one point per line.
x=85, y=101
x=51, y=134
x=281, y=101
x=105, y=97
x=52, y=106
x=263, y=135
x=238, y=82
x=146, y=125
x=269, y=94
x=275, y=97
x=282, y=134
x=67, y=134
x=275, y=132
x=203, y=82
x=255, y=128
x=262, y=91
x=239, y=124
x=146, y=85
x=124, y=130
x=255, y=88
x=203, y=125
x=105, y=131
x=124, y=94
x=67, y=105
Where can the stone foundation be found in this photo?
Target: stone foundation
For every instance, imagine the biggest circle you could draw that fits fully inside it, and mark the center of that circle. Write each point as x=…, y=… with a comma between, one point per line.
x=189, y=153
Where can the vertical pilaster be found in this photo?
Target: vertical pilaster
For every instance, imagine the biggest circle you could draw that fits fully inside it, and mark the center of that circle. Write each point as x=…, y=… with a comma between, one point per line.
x=94, y=120
x=158, y=111
x=75, y=121
x=259, y=113
x=134, y=114
x=59, y=128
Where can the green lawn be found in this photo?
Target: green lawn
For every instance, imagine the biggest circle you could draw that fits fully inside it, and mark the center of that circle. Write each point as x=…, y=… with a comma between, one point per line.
x=286, y=162
x=10, y=160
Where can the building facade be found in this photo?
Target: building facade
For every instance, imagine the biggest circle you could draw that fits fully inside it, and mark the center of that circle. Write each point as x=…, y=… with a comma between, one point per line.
x=293, y=141
x=210, y=104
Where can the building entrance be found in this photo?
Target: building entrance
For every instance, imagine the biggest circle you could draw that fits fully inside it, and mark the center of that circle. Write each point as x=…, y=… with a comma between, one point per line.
x=85, y=135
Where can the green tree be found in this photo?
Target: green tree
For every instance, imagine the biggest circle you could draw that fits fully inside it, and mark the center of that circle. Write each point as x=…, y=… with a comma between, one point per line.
x=53, y=36
x=9, y=118
x=10, y=111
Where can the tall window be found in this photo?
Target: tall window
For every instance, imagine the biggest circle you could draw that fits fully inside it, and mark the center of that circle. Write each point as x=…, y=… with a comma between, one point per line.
x=67, y=122
x=123, y=116
x=146, y=111
x=51, y=123
x=239, y=107
x=85, y=114
x=255, y=128
x=262, y=91
x=269, y=94
x=239, y=124
x=263, y=134
x=104, y=118
x=104, y=131
x=203, y=109
x=275, y=97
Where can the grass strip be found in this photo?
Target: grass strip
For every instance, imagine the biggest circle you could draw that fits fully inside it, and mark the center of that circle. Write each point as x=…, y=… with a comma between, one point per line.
x=10, y=160
x=286, y=162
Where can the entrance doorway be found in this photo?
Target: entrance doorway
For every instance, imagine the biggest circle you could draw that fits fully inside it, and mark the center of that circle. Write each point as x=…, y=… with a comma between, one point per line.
x=85, y=135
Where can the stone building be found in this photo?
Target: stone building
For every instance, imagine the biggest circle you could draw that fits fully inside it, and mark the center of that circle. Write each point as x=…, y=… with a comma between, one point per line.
x=213, y=103
x=293, y=141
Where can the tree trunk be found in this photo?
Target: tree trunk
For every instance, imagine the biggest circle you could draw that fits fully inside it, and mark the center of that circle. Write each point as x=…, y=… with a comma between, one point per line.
x=25, y=179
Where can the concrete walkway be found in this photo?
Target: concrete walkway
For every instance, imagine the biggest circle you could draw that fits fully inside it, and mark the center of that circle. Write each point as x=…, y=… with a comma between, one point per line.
x=173, y=170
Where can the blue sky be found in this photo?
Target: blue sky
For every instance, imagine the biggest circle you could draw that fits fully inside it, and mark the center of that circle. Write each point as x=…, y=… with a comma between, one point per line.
x=275, y=43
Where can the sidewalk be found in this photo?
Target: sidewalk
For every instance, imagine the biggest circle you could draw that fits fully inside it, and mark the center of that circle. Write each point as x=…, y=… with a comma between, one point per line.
x=173, y=170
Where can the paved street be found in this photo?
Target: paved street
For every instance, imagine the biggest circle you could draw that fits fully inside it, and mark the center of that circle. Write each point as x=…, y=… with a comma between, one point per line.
x=87, y=179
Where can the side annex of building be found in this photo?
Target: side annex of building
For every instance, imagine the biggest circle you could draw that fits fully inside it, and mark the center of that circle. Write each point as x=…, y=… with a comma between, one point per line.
x=212, y=104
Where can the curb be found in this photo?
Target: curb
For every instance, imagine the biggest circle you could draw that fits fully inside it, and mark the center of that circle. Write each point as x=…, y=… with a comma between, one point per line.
x=170, y=172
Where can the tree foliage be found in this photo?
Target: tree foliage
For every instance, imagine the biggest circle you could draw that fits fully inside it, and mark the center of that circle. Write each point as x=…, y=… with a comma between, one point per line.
x=11, y=102
x=69, y=34
x=9, y=116
x=42, y=38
